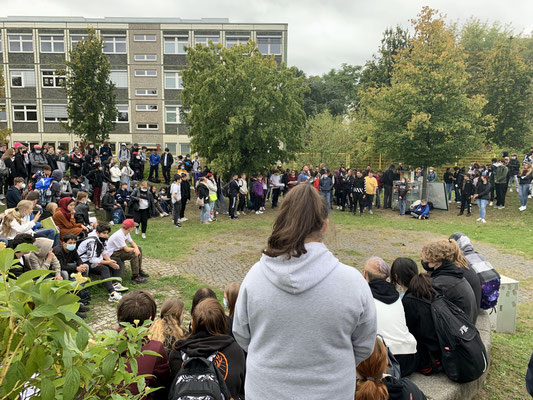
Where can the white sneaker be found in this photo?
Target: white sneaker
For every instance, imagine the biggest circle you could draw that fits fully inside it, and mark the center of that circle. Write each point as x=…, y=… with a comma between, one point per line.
x=119, y=288
x=258, y=212
x=370, y=212
x=479, y=219
x=143, y=235
x=184, y=219
x=115, y=297
x=511, y=190
x=490, y=204
x=136, y=231
x=238, y=213
x=483, y=220
x=210, y=219
x=161, y=215
x=111, y=223
x=2, y=204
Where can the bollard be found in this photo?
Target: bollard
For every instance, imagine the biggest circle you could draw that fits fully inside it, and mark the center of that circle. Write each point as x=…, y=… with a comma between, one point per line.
x=504, y=319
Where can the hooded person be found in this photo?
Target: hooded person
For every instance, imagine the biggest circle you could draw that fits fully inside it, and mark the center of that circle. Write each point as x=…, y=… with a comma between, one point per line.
x=45, y=258
x=55, y=185
x=300, y=309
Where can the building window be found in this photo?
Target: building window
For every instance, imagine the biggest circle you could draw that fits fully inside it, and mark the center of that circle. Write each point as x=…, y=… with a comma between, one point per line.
x=269, y=44
x=22, y=78
x=147, y=127
x=146, y=72
x=1, y=47
x=172, y=114
x=119, y=78
x=185, y=148
x=175, y=44
x=74, y=39
x=171, y=147
x=144, y=38
x=173, y=80
x=53, y=79
x=145, y=92
x=206, y=39
x=146, y=107
x=25, y=113
x=145, y=57
x=235, y=40
x=123, y=113
x=3, y=113
x=20, y=43
x=115, y=44
x=52, y=44
x=55, y=112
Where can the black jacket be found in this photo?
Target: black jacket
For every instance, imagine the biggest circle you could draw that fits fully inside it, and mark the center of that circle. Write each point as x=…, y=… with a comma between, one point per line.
x=529, y=377
x=448, y=177
x=185, y=190
x=82, y=214
x=139, y=194
x=358, y=185
x=233, y=189
x=230, y=356
x=69, y=260
x=449, y=281
x=347, y=182
x=13, y=197
x=170, y=160
x=514, y=166
x=96, y=178
x=475, y=283
x=108, y=202
x=483, y=190
x=52, y=161
x=203, y=192
x=388, y=177
x=403, y=389
x=19, y=167
x=467, y=188
x=75, y=164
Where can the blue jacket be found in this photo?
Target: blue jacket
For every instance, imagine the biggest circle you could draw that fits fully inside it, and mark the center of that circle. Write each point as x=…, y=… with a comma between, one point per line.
x=422, y=210
x=155, y=159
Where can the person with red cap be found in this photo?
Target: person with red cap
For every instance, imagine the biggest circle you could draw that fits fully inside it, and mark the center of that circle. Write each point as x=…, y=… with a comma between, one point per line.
x=121, y=245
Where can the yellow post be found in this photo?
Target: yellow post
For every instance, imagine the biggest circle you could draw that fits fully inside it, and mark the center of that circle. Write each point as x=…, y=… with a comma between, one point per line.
x=379, y=161
x=347, y=161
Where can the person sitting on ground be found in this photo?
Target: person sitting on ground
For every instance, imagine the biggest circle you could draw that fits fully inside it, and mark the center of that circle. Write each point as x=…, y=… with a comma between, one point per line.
x=22, y=264
x=49, y=211
x=64, y=218
x=167, y=329
x=45, y=258
x=374, y=384
x=81, y=210
x=135, y=308
x=421, y=211
x=123, y=196
x=110, y=205
x=14, y=193
x=68, y=257
x=447, y=278
x=22, y=220
x=93, y=252
x=390, y=314
x=201, y=294
x=117, y=247
x=418, y=295
x=230, y=299
x=65, y=187
x=209, y=337
x=34, y=197
x=163, y=199
x=157, y=210
x=298, y=272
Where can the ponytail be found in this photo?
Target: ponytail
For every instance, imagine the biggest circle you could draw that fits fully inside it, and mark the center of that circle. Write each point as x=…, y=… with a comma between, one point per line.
x=370, y=386
x=458, y=256
x=420, y=286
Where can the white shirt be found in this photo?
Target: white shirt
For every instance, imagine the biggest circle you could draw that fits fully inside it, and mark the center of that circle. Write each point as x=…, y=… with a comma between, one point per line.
x=25, y=226
x=393, y=328
x=143, y=204
x=117, y=241
x=175, y=188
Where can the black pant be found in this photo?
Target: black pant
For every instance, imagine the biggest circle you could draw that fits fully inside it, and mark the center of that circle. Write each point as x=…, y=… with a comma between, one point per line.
x=343, y=199
x=141, y=217
x=492, y=188
x=465, y=203
x=154, y=171
x=182, y=208
x=408, y=363
x=457, y=193
x=176, y=209
x=232, y=206
x=387, y=199
x=166, y=173
x=242, y=202
x=257, y=202
x=501, y=192
x=358, y=198
x=369, y=200
x=275, y=196
x=105, y=271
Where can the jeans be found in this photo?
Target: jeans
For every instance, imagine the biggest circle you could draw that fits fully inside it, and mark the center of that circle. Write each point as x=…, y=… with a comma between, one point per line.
x=154, y=171
x=449, y=187
x=212, y=211
x=205, y=212
x=482, y=205
x=514, y=178
x=176, y=210
x=378, y=197
x=48, y=233
x=402, y=203
x=523, y=190
x=369, y=201
x=221, y=205
x=327, y=198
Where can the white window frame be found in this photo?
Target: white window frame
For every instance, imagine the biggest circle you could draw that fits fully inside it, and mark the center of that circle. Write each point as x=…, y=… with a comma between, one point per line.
x=238, y=39
x=145, y=92
x=146, y=107
x=177, y=77
x=53, y=42
x=176, y=112
x=120, y=109
x=20, y=41
x=79, y=37
x=115, y=40
x=146, y=126
x=144, y=57
x=176, y=41
x=25, y=110
x=149, y=37
x=206, y=38
x=149, y=73
x=3, y=113
x=20, y=72
x=124, y=73
x=55, y=119
x=54, y=76
x=269, y=52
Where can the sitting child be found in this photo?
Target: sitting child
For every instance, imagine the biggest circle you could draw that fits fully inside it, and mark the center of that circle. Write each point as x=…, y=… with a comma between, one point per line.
x=164, y=200
x=123, y=196
x=421, y=211
x=158, y=210
x=114, y=213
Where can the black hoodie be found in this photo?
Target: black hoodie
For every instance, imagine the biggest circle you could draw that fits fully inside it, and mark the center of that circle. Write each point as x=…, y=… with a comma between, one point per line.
x=229, y=360
x=384, y=291
x=403, y=389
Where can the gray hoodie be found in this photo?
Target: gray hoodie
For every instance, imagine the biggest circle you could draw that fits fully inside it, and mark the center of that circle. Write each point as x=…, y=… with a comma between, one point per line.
x=305, y=323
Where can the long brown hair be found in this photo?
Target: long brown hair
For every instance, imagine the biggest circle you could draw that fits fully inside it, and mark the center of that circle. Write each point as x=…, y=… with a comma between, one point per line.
x=209, y=316
x=232, y=292
x=166, y=328
x=370, y=385
x=302, y=215
x=8, y=154
x=420, y=286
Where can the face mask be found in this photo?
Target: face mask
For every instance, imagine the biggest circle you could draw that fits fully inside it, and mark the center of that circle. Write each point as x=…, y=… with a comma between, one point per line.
x=71, y=247
x=23, y=186
x=103, y=240
x=144, y=190
x=91, y=146
x=37, y=151
x=225, y=303
x=426, y=266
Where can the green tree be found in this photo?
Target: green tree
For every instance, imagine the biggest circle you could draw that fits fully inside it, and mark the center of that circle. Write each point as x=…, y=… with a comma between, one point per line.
x=5, y=132
x=244, y=112
x=91, y=108
x=426, y=114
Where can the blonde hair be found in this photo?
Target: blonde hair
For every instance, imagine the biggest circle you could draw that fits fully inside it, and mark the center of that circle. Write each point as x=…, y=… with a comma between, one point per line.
x=446, y=250
x=14, y=214
x=166, y=328
x=81, y=195
x=51, y=207
x=232, y=292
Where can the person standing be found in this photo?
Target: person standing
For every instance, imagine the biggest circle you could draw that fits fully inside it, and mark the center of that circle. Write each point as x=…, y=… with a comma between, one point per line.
x=371, y=185
x=76, y=162
x=326, y=187
x=466, y=195
x=500, y=181
x=448, y=181
x=388, y=180
x=124, y=154
x=298, y=272
x=277, y=186
x=403, y=190
x=358, y=193
x=142, y=207
x=258, y=194
x=233, y=192
x=482, y=196
x=155, y=159
x=525, y=182
x=37, y=159
x=166, y=164
x=185, y=195
x=203, y=194
x=175, y=195
x=514, y=171
x=105, y=152
x=96, y=179
x=243, y=193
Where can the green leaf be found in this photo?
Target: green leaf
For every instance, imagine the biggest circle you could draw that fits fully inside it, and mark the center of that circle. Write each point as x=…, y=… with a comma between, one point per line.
x=82, y=338
x=25, y=248
x=45, y=310
x=72, y=383
x=48, y=390
x=30, y=275
x=6, y=260
x=29, y=329
x=67, y=359
x=108, y=365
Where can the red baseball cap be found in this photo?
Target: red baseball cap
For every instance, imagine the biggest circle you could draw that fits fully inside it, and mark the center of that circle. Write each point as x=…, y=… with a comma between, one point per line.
x=128, y=223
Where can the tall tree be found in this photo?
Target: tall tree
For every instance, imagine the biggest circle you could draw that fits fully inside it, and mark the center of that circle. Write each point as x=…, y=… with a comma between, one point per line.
x=91, y=108
x=5, y=133
x=425, y=113
x=244, y=112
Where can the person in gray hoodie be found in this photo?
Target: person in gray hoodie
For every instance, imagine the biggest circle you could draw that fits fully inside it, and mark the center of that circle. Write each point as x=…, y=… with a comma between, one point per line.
x=305, y=319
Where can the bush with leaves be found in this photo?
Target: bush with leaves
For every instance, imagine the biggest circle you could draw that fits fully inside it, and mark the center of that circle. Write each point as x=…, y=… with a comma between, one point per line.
x=47, y=350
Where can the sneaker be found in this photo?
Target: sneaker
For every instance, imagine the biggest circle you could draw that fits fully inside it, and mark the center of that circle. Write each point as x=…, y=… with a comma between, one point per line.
x=469, y=214
x=137, y=279
x=119, y=288
x=178, y=225
x=136, y=231
x=483, y=220
x=370, y=212
x=360, y=214
x=490, y=204
x=234, y=217
x=529, y=196
x=115, y=297
x=184, y=219
x=511, y=190
x=161, y=215
x=83, y=308
x=81, y=315
x=206, y=223
x=258, y=212
x=111, y=223
x=479, y=219
x=501, y=207
x=143, y=235
x=459, y=214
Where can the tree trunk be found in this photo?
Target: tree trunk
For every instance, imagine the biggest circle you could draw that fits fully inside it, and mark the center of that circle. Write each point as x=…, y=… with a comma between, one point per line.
x=424, y=194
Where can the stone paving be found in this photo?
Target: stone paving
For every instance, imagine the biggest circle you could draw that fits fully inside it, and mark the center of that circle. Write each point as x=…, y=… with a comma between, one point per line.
x=229, y=258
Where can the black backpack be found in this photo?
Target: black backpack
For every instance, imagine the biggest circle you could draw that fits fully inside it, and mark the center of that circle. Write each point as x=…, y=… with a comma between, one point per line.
x=199, y=379
x=464, y=358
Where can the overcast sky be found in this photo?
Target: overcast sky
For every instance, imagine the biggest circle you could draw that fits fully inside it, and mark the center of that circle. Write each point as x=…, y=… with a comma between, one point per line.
x=322, y=34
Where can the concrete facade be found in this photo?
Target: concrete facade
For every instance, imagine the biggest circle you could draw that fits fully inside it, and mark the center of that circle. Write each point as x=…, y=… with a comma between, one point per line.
x=146, y=56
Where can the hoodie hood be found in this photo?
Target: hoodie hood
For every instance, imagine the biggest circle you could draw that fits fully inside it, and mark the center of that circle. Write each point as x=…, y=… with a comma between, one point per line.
x=299, y=274
x=384, y=291
x=463, y=241
x=203, y=345
x=57, y=175
x=45, y=246
x=448, y=269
